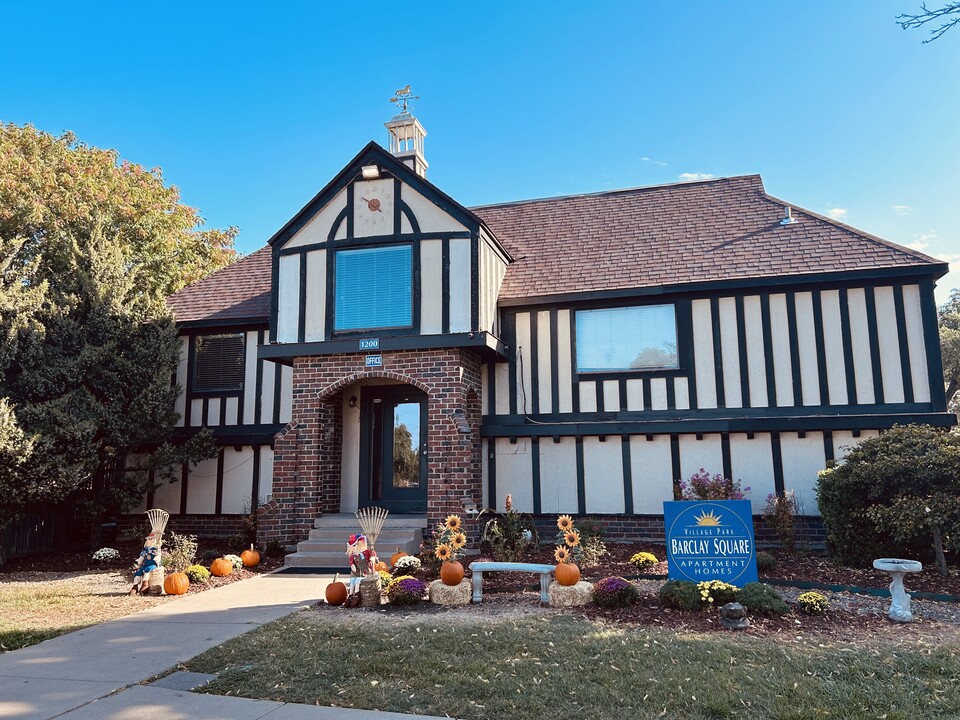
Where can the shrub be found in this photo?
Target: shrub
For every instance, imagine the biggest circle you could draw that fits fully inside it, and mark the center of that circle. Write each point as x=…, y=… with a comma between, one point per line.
x=405, y=590
x=274, y=549
x=766, y=563
x=180, y=551
x=760, y=599
x=895, y=495
x=235, y=561
x=407, y=564
x=643, y=560
x=509, y=534
x=614, y=592
x=680, y=595
x=778, y=514
x=197, y=574
x=703, y=486
x=812, y=603
x=714, y=593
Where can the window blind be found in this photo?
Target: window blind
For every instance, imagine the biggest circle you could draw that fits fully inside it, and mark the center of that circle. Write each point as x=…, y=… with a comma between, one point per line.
x=218, y=362
x=628, y=338
x=374, y=288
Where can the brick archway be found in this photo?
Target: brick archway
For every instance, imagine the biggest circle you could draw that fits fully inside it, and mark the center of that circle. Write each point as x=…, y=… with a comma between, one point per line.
x=307, y=471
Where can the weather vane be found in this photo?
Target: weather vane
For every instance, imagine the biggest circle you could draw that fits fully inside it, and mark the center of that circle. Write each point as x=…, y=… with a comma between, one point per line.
x=404, y=96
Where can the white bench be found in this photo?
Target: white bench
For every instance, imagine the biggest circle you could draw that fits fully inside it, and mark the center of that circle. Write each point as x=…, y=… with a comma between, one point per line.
x=479, y=568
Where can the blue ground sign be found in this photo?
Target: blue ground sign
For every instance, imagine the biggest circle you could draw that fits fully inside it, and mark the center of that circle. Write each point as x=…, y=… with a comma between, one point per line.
x=710, y=540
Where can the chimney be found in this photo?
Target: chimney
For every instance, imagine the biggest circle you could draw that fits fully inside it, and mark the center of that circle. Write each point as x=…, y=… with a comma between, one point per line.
x=406, y=134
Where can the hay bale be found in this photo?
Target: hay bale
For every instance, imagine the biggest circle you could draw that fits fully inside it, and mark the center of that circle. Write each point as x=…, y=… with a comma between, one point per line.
x=570, y=595
x=441, y=594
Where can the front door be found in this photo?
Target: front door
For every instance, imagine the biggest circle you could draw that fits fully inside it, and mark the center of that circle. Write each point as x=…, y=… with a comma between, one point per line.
x=393, y=447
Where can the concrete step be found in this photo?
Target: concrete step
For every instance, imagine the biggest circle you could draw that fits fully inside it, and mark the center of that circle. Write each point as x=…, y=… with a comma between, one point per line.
x=349, y=520
x=327, y=543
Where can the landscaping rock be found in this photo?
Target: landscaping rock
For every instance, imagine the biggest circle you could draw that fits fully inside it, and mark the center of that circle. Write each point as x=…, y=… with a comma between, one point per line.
x=570, y=595
x=441, y=594
x=733, y=616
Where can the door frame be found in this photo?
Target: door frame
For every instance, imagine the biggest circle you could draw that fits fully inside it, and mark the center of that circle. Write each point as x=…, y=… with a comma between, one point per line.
x=374, y=447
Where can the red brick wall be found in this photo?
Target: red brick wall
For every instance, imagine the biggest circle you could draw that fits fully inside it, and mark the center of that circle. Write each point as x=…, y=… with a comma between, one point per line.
x=307, y=454
x=204, y=526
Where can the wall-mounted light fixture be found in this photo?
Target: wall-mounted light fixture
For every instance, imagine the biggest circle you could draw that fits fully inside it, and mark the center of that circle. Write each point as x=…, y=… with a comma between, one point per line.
x=353, y=401
x=370, y=172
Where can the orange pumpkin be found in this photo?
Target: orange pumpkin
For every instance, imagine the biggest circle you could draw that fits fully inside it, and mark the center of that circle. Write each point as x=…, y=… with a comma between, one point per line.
x=221, y=567
x=451, y=572
x=396, y=556
x=251, y=558
x=567, y=573
x=336, y=592
x=381, y=567
x=176, y=583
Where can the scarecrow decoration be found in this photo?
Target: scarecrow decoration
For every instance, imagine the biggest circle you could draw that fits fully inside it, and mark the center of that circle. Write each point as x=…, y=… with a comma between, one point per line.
x=147, y=568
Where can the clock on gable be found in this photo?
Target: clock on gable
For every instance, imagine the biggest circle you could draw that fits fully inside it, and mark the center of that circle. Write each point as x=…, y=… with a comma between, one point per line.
x=373, y=204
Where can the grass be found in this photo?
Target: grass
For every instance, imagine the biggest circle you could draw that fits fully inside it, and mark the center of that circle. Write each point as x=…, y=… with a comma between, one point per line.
x=34, y=611
x=540, y=666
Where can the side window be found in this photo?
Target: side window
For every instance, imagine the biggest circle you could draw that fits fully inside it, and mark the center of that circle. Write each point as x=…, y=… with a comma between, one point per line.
x=374, y=288
x=629, y=338
x=218, y=363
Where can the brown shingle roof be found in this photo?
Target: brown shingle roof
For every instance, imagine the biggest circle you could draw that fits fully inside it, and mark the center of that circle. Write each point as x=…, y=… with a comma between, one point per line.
x=723, y=229
x=237, y=292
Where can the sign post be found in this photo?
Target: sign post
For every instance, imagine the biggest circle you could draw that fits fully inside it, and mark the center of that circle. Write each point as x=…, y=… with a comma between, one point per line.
x=710, y=540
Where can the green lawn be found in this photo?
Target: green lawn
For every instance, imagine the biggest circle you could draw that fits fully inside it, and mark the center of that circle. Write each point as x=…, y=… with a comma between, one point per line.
x=553, y=665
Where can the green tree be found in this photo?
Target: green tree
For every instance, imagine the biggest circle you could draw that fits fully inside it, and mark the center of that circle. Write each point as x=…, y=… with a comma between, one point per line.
x=89, y=249
x=949, y=321
x=894, y=494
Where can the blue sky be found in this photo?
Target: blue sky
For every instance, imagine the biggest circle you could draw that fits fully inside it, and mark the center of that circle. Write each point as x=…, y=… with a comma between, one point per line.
x=250, y=108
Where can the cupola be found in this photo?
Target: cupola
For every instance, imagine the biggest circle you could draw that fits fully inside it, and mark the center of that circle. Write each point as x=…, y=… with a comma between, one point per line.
x=406, y=133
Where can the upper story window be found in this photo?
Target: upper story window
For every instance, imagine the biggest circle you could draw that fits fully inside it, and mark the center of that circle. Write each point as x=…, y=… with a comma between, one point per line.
x=218, y=363
x=374, y=288
x=629, y=338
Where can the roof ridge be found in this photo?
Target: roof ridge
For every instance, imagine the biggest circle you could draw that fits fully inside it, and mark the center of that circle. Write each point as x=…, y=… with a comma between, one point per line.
x=619, y=191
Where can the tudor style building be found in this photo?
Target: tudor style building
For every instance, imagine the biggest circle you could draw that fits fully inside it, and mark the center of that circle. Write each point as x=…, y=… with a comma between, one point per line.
x=390, y=346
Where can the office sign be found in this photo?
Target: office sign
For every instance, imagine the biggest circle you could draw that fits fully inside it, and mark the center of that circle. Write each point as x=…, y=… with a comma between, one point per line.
x=373, y=361
x=710, y=540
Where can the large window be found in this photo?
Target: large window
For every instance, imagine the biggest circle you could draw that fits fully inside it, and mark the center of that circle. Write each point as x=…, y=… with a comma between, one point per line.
x=628, y=338
x=374, y=288
x=218, y=363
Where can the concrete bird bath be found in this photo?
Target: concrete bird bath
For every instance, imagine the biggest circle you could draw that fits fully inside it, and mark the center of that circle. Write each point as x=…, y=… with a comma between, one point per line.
x=900, y=604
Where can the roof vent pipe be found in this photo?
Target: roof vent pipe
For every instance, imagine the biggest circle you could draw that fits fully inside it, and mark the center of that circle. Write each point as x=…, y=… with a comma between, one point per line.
x=788, y=219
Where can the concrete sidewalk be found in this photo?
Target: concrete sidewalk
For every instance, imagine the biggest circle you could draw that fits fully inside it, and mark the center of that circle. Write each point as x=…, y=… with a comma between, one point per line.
x=73, y=675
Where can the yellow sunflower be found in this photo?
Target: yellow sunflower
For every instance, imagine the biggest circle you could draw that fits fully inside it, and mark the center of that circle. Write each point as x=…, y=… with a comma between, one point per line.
x=453, y=522
x=443, y=552
x=565, y=522
x=572, y=538
x=561, y=555
x=458, y=540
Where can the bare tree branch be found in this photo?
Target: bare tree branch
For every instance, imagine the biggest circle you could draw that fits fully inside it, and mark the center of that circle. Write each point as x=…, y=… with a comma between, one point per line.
x=926, y=15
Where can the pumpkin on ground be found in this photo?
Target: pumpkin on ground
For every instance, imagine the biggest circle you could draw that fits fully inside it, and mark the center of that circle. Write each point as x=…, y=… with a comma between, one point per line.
x=221, y=567
x=381, y=567
x=336, y=592
x=567, y=574
x=251, y=558
x=451, y=572
x=176, y=583
x=396, y=556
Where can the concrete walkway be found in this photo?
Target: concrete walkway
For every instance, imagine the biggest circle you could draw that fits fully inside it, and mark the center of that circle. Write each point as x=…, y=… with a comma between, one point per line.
x=95, y=672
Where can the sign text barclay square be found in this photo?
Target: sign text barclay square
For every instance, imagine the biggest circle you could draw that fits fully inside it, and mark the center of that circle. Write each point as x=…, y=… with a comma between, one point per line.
x=710, y=540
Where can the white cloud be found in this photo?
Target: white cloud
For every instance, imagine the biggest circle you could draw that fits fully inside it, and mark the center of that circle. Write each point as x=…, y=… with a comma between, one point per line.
x=655, y=162
x=902, y=209
x=924, y=237
x=687, y=177
x=837, y=213
x=948, y=257
x=918, y=246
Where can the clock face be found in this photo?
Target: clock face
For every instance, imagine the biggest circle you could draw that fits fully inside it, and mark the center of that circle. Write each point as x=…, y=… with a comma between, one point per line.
x=373, y=208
